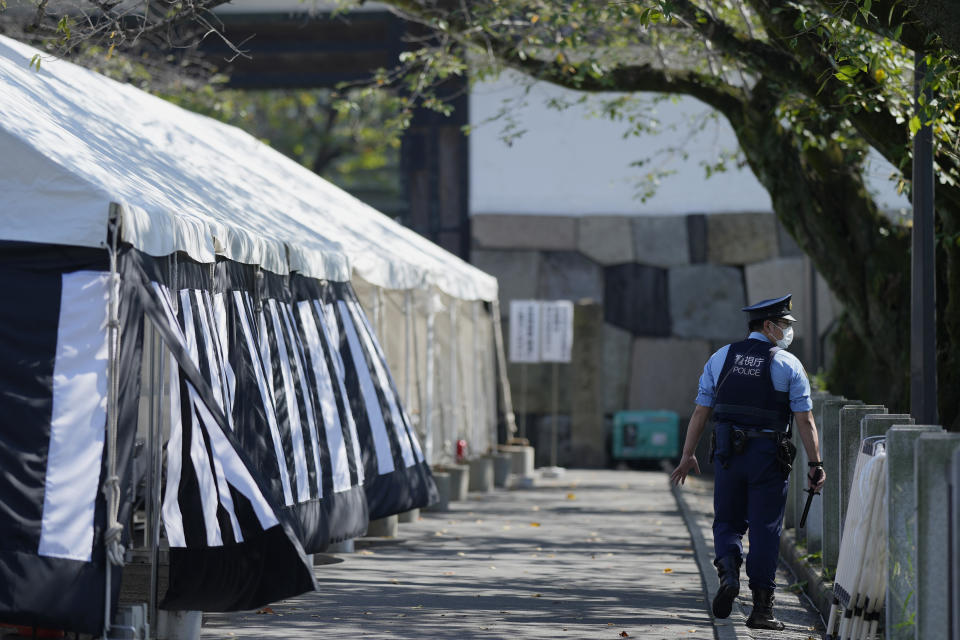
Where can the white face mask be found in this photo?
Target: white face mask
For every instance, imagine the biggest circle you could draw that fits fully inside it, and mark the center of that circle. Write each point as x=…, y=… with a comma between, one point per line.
x=787, y=338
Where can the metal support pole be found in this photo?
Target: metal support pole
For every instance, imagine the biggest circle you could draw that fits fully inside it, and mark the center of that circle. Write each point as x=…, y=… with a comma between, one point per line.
x=428, y=410
x=153, y=475
x=452, y=430
x=923, y=345
x=378, y=312
x=509, y=417
x=555, y=402
x=476, y=370
x=524, y=368
x=407, y=353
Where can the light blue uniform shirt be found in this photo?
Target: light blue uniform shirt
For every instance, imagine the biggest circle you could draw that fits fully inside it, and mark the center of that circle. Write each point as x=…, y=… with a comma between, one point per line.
x=786, y=371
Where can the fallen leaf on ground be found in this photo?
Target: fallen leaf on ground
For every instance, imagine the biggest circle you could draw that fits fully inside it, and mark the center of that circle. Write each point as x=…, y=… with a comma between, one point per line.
x=537, y=595
x=571, y=496
x=668, y=570
x=448, y=573
x=394, y=581
x=266, y=610
x=534, y=524
x=624, y=634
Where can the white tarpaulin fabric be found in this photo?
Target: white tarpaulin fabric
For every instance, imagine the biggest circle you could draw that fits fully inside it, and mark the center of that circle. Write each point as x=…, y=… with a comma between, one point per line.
x=74, y=142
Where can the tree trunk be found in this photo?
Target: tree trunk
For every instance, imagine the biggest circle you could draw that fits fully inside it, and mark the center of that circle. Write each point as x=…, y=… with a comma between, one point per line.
x=819, y=196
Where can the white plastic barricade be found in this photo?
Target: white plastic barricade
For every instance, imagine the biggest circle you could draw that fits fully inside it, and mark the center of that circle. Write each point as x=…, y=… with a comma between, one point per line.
x=861, y=582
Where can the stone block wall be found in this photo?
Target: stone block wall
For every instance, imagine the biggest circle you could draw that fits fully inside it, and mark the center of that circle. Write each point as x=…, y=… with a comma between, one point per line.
x=670, y=288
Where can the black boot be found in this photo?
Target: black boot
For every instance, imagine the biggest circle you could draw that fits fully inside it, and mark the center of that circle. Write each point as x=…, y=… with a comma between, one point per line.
x=728, y=568
x=762, y=615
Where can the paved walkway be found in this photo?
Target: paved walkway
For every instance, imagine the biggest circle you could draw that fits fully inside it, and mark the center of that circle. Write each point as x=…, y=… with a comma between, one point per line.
x=803, y=623
x=594, y=554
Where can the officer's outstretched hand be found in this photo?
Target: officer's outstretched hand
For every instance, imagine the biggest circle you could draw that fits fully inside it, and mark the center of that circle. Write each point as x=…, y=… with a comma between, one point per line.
x=816, y=478
x=687, y=464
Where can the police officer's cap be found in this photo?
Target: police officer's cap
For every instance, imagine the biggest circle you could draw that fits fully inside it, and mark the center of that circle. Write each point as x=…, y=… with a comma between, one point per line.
x=772, y=308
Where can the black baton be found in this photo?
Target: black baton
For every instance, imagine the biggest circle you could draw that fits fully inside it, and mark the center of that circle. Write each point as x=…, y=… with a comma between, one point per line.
x=806, y=507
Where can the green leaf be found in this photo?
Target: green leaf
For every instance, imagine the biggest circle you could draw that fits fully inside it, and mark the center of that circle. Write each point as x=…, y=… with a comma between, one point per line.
x=914, y=125
x=35, y=61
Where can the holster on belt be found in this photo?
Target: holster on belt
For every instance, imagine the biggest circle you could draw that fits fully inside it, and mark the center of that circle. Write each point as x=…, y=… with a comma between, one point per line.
x=786, y=453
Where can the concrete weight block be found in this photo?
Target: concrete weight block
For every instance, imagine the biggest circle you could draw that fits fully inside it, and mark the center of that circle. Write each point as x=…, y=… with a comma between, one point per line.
x=568, y=275
x=661, y=240
x=664, y=373
x=179, y=625
x=459, y=480
x=408, y=516
x=442, y=480
x=517, y=273
x=705, y=302
x=901, y=604
x=606, y=239
x=550, y=233
x=636, y=299
x=384, y=527
x=481, y=474
x=741, y=238
x=502, y=468
x=343, y=546
x=521, y=458
x=933, y=456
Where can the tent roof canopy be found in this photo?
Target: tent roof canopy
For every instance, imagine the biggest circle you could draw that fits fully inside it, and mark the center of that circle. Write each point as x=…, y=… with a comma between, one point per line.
x=76, y=142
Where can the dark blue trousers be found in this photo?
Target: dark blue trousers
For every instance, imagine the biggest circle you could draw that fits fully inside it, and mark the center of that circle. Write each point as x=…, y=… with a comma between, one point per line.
x=750, y=493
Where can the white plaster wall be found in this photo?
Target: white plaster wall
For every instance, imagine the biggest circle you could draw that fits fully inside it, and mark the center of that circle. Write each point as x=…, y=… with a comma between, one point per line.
x=575, y=163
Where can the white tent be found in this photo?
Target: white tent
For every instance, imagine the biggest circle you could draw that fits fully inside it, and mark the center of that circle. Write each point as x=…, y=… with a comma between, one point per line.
x=75, y=142
x=80, y=153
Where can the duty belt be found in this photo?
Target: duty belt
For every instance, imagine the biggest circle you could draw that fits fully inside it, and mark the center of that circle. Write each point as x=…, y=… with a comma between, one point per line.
x=756, y=433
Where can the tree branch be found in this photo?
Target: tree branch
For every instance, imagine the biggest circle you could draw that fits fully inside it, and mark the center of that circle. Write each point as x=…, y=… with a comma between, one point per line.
x=638, y=78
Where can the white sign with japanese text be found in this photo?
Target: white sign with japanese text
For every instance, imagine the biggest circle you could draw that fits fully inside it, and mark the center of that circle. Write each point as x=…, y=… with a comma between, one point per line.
x=525, y=331
x=556, y=338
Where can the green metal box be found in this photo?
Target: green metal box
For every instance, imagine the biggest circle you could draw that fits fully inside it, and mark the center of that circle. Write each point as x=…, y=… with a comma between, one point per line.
x=644, y=435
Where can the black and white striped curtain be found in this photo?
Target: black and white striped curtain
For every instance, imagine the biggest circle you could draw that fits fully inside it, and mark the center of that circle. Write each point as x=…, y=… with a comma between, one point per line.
x=286, y=431
x=397, y=476
x=232, y=546
x=53, y=403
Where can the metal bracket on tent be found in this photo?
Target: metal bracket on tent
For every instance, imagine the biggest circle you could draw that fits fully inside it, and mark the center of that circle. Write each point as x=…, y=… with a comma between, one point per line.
x=258, y=286
x=111, y=486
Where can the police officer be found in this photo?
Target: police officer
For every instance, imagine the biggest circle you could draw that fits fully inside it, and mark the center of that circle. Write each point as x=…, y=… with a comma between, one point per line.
x=753, y=390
